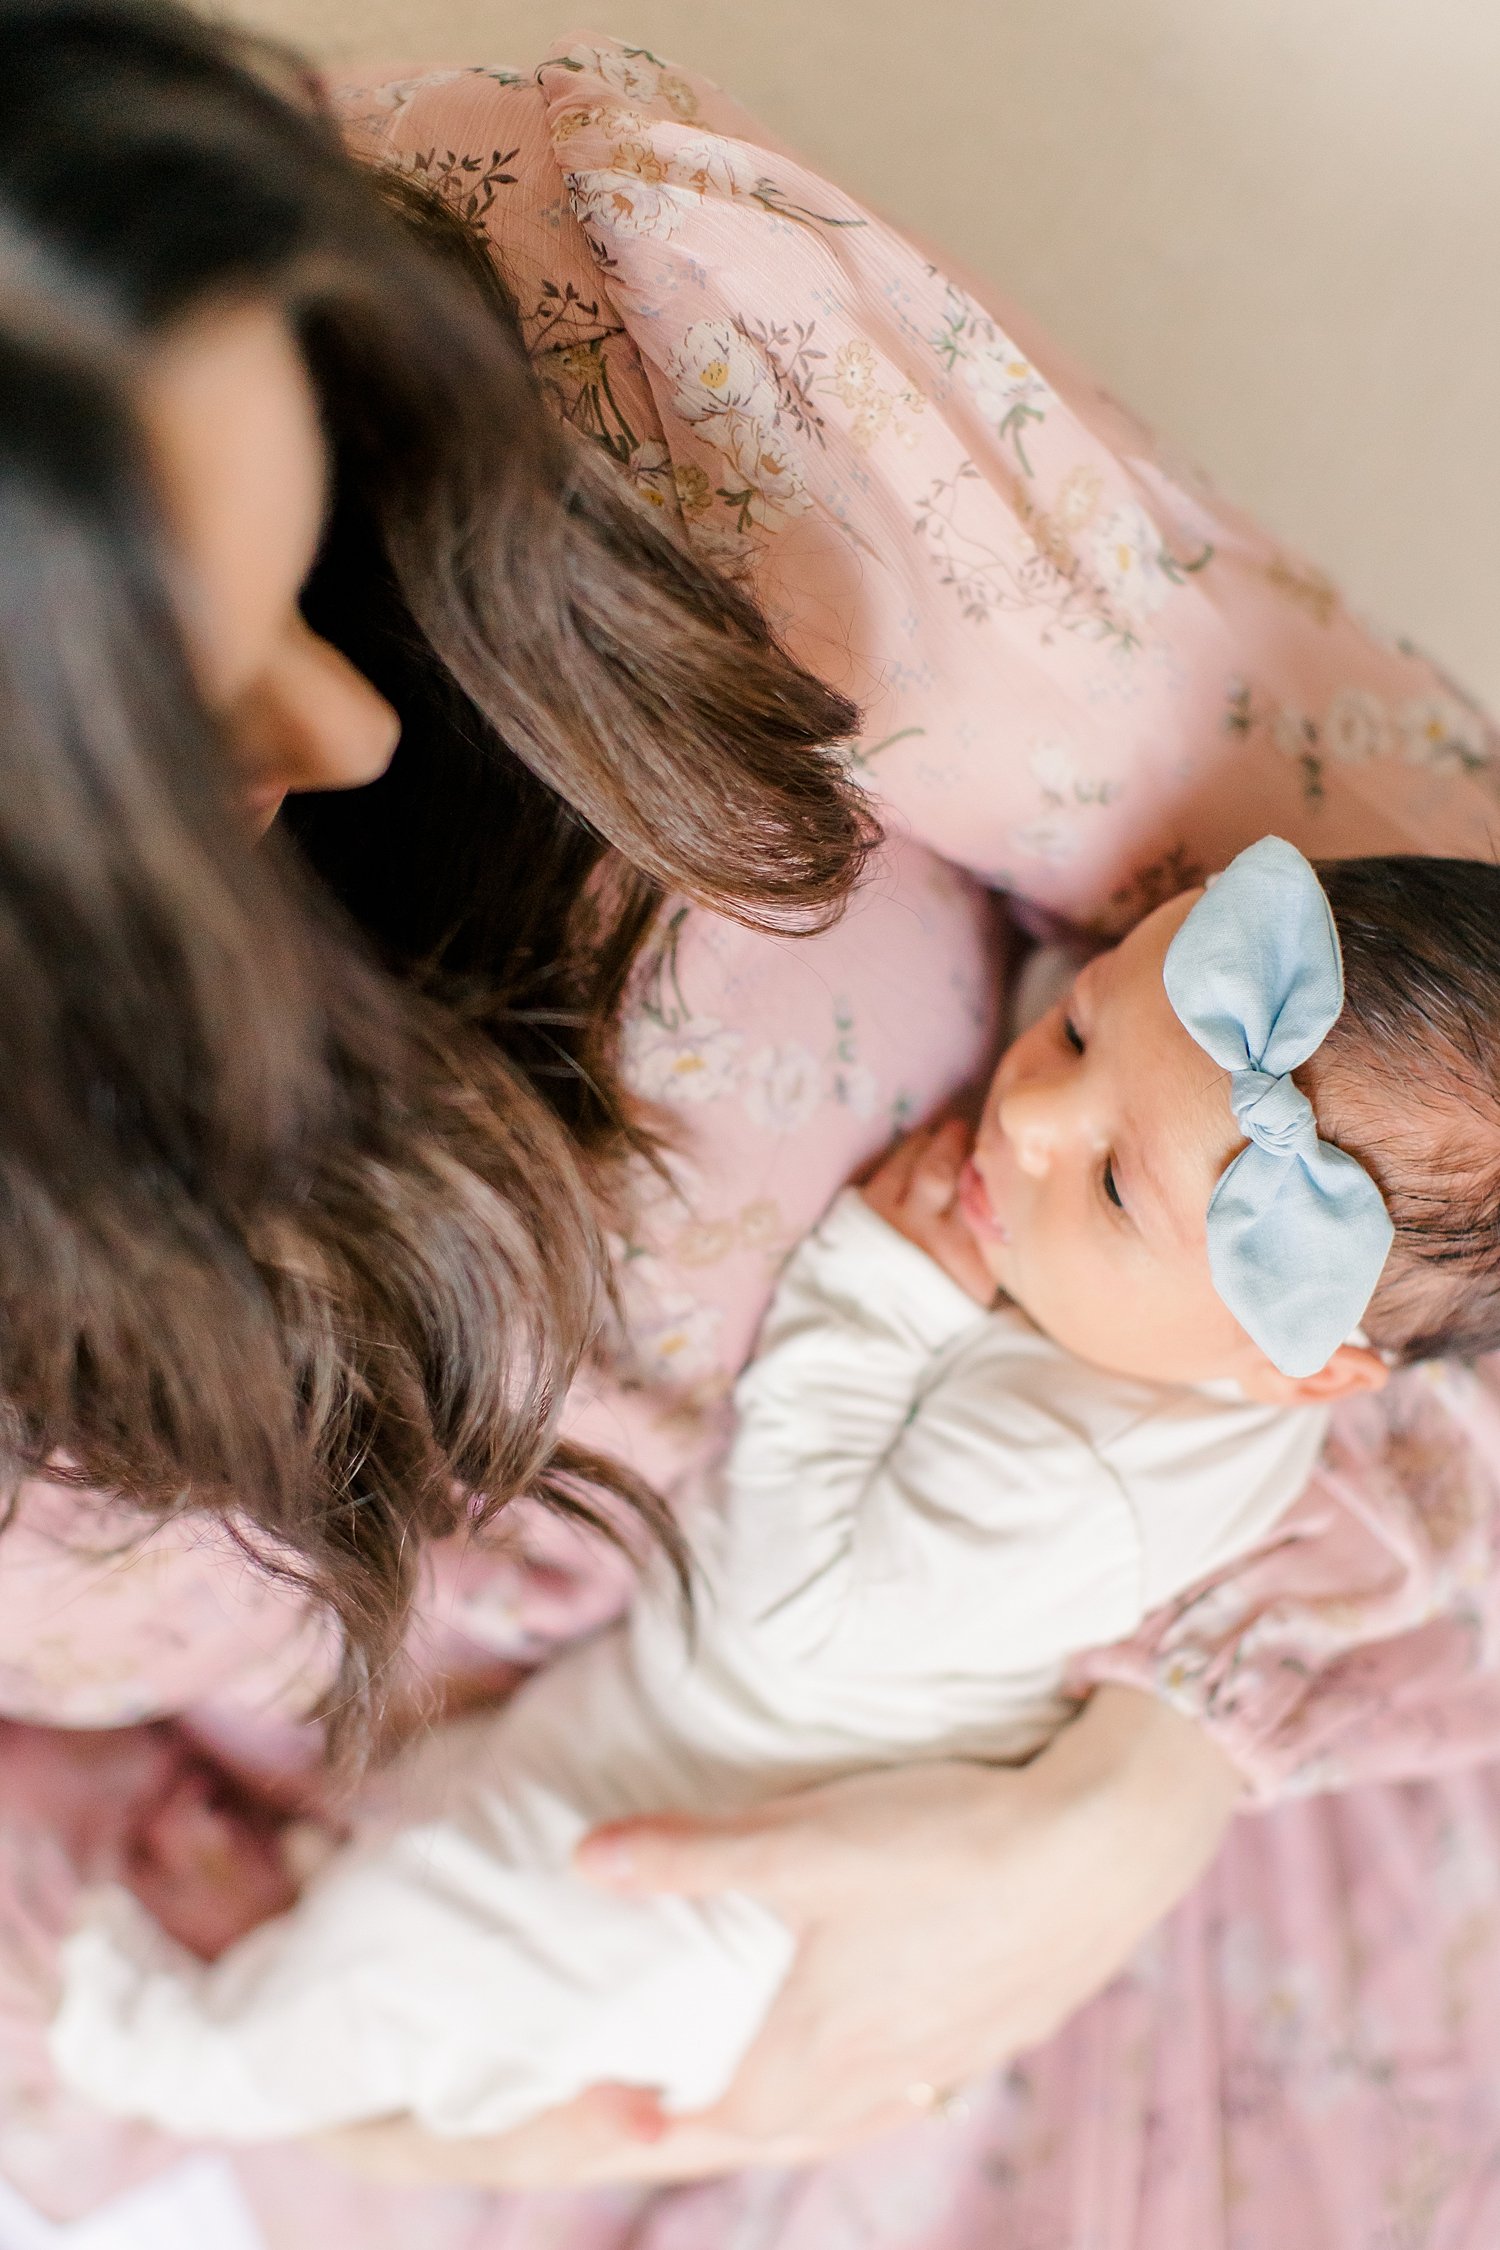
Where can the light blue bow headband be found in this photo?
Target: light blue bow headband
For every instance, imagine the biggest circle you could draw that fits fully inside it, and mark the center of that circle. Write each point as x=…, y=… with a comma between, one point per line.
x=1297, y=1231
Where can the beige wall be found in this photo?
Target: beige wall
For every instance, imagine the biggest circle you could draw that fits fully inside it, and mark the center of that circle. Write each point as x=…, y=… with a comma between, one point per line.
x=1273, y=225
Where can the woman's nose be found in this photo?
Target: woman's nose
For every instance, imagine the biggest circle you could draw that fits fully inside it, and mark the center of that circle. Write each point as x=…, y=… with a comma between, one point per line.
x=314, y=721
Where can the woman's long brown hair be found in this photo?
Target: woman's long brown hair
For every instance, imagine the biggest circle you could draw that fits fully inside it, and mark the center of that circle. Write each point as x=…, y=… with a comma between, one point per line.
x=303, y=1150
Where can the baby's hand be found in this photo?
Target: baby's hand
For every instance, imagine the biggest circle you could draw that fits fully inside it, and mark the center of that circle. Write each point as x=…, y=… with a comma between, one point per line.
x=915, y=1191
x=207, y=1866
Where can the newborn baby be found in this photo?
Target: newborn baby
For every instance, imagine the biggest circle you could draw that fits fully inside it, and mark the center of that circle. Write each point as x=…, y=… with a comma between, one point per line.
x=1006, y=1402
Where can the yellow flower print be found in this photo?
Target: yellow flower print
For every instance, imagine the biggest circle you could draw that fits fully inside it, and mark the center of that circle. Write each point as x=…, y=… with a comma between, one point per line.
x=726, y=391
x=583, y=363
x=704, y=1242
x=572, y=122
x=695, y=494
x=870, y=419
x=1310, y=589
x=1439, y=730
x=715, y=367
x=639, y=160
x=1078, y=498
x=1128, y=556
x=649, y=468
x=854, y=373
x=874, y=408
x=762, y=1226
x=678, y=95
x=694, y=1060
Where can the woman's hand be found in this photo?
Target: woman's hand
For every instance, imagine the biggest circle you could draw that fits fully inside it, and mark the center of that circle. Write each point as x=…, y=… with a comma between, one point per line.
x=915, y=1190
x=948, y=1916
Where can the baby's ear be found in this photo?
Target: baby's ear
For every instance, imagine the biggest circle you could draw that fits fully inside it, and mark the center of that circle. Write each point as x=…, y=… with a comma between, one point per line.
x=1352, y=1369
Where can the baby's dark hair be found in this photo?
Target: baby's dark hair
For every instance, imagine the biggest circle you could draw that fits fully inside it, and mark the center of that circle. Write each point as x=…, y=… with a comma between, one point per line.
x=1408, y=1081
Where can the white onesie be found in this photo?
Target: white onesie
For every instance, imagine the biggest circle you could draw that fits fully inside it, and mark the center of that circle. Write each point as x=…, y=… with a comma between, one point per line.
x=928, y=1510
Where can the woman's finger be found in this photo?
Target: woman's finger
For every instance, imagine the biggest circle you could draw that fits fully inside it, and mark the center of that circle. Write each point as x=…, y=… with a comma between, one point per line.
x=602, y=2134
x=691, y=1858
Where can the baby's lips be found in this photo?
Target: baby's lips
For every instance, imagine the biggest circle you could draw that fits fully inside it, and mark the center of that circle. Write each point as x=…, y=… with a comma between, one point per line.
x=974, y=1202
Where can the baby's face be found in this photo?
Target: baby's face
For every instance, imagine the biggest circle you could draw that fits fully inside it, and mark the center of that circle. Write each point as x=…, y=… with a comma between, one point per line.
x=1104, y=1133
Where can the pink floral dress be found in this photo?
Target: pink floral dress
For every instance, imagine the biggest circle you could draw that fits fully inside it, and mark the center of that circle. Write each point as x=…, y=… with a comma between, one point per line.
x=1084, y=680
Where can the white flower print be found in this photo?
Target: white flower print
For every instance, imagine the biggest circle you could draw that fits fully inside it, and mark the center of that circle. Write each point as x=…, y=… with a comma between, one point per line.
x=1438, y=730
x=636, y=73
x=671, y=1333
x=1057, y=772
x=621, y=203
x=1053, y=838
x=1126, y=551
x=783, y=1085
x=1001, y=378
x=661, y=1193
x=725, y=390
x=1357, y=726
x=707, y=163
x=1066, y=787
x=1007, y=388
x=773, y=488
x=630, y=70
x=718, y=371
x=692, y=1061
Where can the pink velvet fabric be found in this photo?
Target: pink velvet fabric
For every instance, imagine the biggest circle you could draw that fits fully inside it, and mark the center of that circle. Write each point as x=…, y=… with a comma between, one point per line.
x=1085, y=680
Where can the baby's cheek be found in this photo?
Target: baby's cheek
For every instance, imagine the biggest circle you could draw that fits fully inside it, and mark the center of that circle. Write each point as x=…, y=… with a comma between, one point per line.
x=1095, y=1306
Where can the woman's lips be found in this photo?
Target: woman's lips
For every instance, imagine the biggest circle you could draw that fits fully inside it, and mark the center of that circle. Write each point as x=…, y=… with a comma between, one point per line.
x=974, y=1202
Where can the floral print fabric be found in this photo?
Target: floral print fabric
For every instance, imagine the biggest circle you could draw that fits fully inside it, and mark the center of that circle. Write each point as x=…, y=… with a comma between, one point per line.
x=1084, y=680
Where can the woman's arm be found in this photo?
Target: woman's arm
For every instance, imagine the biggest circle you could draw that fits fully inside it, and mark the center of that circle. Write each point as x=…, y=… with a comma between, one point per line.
x=1005, y=1899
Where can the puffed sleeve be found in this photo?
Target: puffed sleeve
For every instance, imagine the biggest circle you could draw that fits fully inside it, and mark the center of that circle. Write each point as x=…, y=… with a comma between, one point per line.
x=1082, y=675
x=1359, y=1642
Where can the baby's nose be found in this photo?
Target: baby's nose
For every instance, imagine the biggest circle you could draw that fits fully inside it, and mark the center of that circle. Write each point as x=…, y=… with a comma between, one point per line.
x=1034, y=1119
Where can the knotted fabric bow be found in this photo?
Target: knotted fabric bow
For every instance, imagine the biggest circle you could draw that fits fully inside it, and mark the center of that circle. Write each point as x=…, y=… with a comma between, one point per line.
x=1297, y=1230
